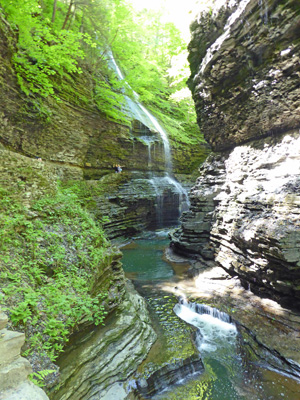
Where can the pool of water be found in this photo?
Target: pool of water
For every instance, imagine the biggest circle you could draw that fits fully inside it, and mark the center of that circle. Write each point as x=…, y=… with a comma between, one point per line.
x=229, y=373
x=143, y=259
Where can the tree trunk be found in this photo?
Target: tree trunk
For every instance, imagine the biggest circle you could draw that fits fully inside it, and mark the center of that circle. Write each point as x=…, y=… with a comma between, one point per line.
x=72, y=16
x=68, y=14
x=54, y=11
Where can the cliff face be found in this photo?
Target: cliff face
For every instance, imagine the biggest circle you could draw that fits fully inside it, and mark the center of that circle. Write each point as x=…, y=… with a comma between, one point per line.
x=40, y=246
x=76, y=139
x=74, y=131
x=245, y=70
x=245, y=205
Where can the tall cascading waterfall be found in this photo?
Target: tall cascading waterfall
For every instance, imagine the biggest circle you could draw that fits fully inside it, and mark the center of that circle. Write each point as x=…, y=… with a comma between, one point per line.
x=160, y=184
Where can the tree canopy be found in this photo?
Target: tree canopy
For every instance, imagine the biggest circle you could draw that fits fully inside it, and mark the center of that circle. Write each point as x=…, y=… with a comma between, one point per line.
x=63, y=37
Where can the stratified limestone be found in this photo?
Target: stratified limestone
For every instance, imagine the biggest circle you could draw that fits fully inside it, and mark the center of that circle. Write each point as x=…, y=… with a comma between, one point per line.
x=107, y=357
x=193, y=237
x=75, y=132
x=169, y=375
x=245, y=215
x=245, y=205
x=14, y=369
x=245, y=70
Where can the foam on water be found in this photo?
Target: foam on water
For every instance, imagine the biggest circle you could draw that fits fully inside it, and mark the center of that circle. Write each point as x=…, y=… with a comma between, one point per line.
x=215, y=333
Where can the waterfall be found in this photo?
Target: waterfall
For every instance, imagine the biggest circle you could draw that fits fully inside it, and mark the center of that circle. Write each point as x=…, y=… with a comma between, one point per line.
x=139, y=112
x=214, y=312
x=159, y=201
x=216, y=329
x=163, y=135
x=264, y=11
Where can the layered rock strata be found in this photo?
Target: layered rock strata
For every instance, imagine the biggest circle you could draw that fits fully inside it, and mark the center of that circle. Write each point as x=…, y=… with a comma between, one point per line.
x=244, y=58
x=169, y=375
x=29, y=180
x=75, y=132
x=14, y=369
x=75, y=140
x=97, y=366
x=245, y=205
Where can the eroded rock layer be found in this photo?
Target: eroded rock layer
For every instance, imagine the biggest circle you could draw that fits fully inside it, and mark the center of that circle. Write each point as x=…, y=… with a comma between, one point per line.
x=245, y=215
x=14, y=369
x=97, y=366
x=245, y=70
x=245, y=205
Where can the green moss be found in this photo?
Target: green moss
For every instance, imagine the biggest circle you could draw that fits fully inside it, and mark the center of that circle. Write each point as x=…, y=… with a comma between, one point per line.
x=174, y=336
x=180, y=132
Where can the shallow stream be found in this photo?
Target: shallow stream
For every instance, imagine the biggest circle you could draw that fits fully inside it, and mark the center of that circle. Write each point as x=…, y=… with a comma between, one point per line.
x=230, y=372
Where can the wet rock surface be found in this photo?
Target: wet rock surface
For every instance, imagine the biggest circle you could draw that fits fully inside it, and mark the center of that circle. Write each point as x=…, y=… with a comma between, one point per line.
x=245, y=68
x=245, y=217
x=269, y=332
x=169, y=375
x=75, y=132
x=244, y=207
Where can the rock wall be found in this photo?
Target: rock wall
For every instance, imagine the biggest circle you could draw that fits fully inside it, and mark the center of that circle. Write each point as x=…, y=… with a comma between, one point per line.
x=98, y=364
x=245, y=205
x=75, y=132
x=245, y=70
x=76, y=145
x=14, y=369
x=75, y=139
x=29, y=180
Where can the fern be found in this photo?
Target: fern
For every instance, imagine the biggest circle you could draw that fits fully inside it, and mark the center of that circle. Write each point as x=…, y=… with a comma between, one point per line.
x=38, y=377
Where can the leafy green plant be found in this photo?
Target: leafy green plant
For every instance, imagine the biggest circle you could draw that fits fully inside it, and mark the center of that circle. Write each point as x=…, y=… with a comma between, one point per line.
x=56, y=44
x=47, y=269
x=38, y=377
x=21, y=314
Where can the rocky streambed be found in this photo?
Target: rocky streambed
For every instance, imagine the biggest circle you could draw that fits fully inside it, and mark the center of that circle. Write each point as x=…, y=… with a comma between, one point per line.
x=260, y=362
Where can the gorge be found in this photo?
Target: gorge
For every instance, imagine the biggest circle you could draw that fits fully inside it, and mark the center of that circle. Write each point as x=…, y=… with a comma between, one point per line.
x=65, y=216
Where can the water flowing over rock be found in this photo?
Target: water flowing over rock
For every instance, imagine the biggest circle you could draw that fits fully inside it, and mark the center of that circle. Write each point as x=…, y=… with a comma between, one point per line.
x=169, y=375
x=244, y=351
x=167, y=207
x=76, y=140
x=245, y=206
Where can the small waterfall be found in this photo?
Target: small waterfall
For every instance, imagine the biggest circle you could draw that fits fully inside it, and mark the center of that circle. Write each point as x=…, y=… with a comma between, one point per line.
x=264, y=11
x=161, y=185
x=216, y=330
x=159, y=202
x=163, y=135
x=214, y=312
x=184, y=202
x=149, y=143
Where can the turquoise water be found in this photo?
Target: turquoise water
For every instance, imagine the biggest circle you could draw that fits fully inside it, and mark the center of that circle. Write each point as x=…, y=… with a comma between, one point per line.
x=228, y=375
x=142, y=260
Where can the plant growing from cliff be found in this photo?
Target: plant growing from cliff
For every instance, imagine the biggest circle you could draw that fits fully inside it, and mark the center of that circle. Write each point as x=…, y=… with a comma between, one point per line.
x=109, y=100
x=38, y=377
x=54, y=37
x=48, y=266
